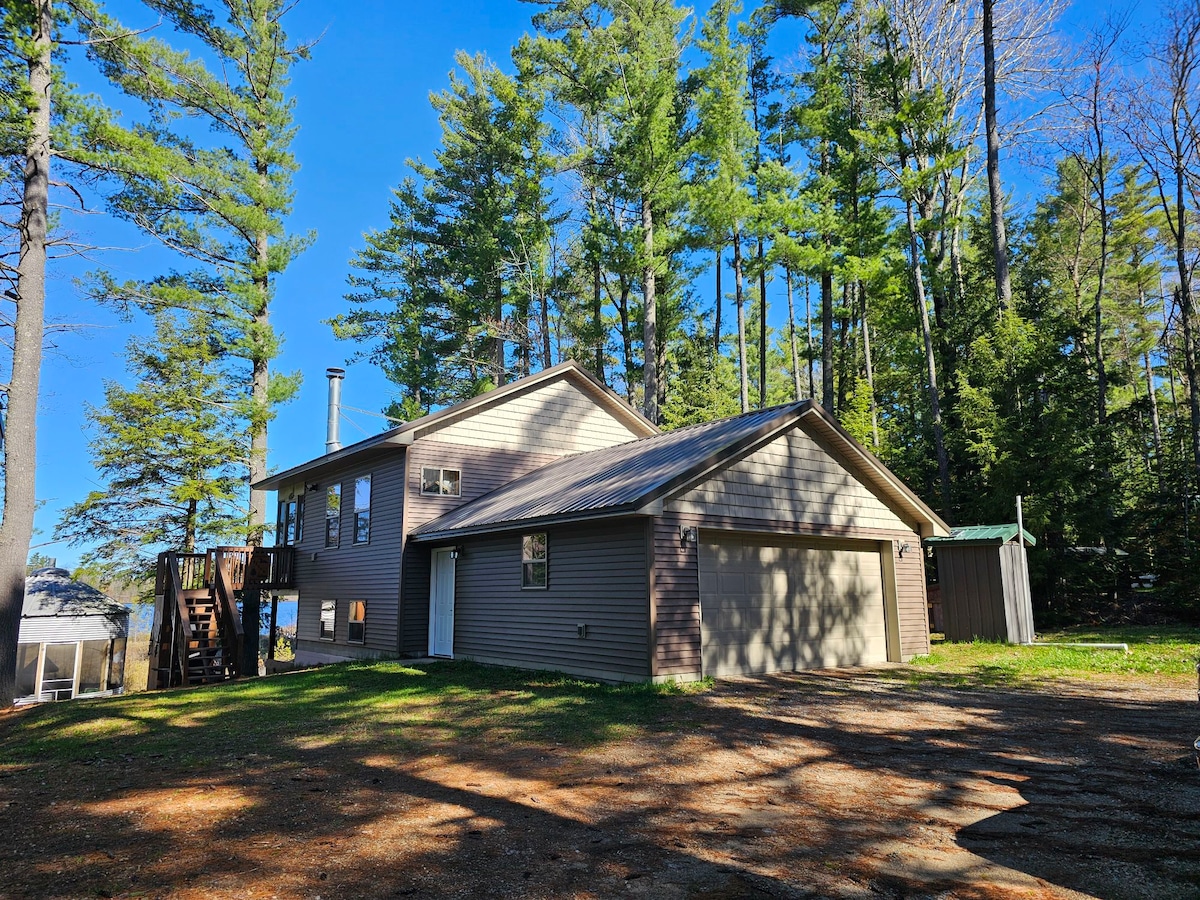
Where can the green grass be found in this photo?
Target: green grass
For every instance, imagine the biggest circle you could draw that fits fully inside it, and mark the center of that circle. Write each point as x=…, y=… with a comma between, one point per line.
x=418, y=709
x=1169, y=652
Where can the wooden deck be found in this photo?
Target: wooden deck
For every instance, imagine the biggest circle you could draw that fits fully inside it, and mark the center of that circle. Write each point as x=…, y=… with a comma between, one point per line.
x=197, y=635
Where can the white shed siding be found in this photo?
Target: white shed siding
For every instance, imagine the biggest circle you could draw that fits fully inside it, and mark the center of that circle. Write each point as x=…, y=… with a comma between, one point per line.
x=792, y=478
x=557, y=418
x=65, y=629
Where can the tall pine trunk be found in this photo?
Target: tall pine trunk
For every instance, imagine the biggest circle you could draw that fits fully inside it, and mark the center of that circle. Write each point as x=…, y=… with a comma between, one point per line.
x=866, y=333
x=740, y=302
x=792, y=334
x=762, y=327
x=717, y=306
x=20, y=434
x=827, y=337
x=649, y=316
x=808, y=341
x=995, y=190
x=935, y=404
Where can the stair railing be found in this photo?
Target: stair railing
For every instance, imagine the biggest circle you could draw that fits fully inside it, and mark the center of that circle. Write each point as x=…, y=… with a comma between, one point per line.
x=182, y=624
x=232, y=635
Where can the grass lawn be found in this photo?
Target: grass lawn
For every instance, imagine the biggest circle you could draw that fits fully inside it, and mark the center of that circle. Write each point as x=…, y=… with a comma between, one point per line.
x=437, y=705
x=1169, y=653
x=381, y=780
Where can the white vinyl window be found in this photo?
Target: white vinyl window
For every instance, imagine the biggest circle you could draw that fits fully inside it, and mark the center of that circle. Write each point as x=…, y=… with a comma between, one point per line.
x=328, y=611
x=534, y=560
x=356, y=629
x=441, y=482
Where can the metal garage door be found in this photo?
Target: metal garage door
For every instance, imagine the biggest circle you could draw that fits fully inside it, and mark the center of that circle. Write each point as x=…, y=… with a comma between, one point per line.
x=772, y=604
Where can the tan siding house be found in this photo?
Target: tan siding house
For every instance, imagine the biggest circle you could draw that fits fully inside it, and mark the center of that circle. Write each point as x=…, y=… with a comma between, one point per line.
x=546, y=524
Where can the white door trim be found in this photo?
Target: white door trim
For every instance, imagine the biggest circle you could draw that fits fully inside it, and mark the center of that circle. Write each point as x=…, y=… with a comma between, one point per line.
x=441, y=594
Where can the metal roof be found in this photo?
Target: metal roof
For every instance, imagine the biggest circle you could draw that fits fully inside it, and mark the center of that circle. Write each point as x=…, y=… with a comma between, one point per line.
x=612, y=481
x=984, y=534
x=52, y=592
x=630, y=477
x=404, y=434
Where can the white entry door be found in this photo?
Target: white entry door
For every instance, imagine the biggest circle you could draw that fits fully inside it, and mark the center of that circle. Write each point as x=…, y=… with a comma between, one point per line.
x=441, y=604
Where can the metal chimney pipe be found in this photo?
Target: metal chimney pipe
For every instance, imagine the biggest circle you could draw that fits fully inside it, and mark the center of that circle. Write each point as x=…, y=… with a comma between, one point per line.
x=333, y=439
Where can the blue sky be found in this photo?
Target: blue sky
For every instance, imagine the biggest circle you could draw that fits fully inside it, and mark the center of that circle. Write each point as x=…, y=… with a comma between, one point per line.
x=362, y=107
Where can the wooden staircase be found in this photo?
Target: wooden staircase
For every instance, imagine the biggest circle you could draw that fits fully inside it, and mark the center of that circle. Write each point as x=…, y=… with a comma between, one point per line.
x=197, y=635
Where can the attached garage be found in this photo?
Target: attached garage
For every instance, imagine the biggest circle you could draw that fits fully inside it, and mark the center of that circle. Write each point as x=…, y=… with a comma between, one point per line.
x=773, y=604
x=767, y=542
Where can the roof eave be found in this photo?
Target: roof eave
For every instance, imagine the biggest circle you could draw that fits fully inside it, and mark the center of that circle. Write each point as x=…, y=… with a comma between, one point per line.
x=610, y=512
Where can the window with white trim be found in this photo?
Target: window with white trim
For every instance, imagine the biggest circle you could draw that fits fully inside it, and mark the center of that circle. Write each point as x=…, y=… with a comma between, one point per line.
x=441, y=482
x=328, y=612
x=356, y=629
x=534, y=560
x=362, y=509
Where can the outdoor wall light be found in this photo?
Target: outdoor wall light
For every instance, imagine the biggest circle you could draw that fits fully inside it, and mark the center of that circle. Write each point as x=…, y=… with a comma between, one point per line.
x=313, y=486
x=904, y=548
x=455, y=551
x=688, y=535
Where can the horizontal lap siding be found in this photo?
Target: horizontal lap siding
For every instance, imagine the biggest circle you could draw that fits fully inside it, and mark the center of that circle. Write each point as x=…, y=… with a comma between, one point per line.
x=597, y=577
x=368, y=572
x=911, y=601
x=483, y=470
x=792, y=477
x=67, y=629
x=557, y=418
x=677, y=600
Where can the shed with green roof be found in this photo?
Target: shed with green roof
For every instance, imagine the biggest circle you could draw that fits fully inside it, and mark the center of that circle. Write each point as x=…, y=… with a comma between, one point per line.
x=984, y=577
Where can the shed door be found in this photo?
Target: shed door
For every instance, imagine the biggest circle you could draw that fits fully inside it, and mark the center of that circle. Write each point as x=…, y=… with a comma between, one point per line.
x=775, y=604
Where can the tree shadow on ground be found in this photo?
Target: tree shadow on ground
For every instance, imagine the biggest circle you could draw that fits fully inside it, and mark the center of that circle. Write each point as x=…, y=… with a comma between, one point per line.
x=454, y=780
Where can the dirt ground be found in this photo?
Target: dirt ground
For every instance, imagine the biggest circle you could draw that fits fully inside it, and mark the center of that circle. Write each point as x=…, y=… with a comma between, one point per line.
x=840, y=785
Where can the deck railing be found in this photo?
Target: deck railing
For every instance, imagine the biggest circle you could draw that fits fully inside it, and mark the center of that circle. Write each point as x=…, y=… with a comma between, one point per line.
x=265, y=567
x=225, y=609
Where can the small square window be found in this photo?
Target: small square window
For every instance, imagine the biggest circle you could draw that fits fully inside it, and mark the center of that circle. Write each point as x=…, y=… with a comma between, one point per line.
x=534, y=560
x=356, y=630
x=328, y=608
x=441, y=482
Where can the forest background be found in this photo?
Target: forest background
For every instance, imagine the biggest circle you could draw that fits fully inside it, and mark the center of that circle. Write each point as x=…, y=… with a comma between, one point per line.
x=831, y=155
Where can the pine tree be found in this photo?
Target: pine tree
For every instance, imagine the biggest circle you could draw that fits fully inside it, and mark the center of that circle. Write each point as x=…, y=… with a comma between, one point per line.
x=221, y=205
x=458, y=274
x=41, y=119
x=26, y=66
x=169, y=452
x=721, y=148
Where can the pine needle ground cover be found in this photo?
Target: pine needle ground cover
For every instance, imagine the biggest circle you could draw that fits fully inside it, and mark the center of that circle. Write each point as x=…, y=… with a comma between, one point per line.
x=456, y=780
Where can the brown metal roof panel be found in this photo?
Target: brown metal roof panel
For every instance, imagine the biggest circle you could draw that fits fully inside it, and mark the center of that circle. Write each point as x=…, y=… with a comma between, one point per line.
x=622, y=476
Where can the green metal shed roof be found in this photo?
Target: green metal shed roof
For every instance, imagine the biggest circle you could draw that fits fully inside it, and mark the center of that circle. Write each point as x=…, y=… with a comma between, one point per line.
x=984, y=534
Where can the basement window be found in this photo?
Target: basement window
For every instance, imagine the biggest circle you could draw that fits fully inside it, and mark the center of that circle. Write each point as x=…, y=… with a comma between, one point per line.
x=356, y=629
x=328, y=608
x=533, y=560
x=441, y=482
